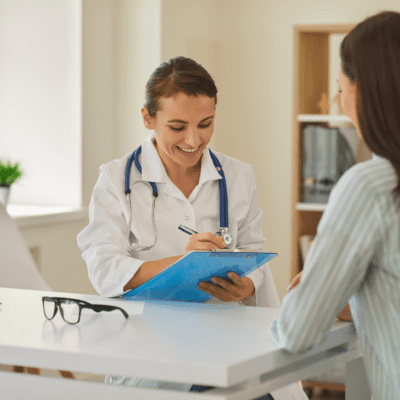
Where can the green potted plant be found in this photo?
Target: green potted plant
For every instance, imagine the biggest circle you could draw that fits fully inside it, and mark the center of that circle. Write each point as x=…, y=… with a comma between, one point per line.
x=8, y=175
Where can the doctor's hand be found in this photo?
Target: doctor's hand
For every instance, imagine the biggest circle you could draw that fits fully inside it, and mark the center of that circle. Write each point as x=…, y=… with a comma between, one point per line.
x=238, y=289
x=205, y=241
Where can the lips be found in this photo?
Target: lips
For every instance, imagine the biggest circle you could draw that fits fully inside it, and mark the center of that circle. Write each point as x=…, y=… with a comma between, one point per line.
x=188, y=150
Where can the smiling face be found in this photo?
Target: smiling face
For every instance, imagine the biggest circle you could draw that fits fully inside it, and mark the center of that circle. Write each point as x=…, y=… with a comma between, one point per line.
x=183, y=126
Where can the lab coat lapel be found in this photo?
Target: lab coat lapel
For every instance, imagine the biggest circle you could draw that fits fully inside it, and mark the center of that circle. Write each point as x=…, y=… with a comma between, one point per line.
x=208, y=173
x=153, y=170
x=152, y=167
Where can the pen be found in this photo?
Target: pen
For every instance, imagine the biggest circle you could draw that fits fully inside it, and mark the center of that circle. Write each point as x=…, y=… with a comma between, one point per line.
x=187, y=230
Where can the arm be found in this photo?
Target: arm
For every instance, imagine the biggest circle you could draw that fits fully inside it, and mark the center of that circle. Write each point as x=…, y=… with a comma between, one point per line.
x=149, y=270
x=111, y=268
x=335, y=267
x=344, y=315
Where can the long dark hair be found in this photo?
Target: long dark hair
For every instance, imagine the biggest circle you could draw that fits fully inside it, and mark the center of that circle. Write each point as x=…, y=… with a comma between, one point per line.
x=179, y=74
x=370, y=56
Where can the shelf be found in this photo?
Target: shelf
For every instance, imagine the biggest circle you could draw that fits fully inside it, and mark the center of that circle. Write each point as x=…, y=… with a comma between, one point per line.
x=322, y=118
x=310, y=207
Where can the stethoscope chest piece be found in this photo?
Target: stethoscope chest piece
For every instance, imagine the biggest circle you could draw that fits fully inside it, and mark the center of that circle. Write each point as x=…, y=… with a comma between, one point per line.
x=226, y=235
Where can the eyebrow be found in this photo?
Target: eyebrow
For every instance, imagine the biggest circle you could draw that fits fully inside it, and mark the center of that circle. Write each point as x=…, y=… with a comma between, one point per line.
x=185, y=122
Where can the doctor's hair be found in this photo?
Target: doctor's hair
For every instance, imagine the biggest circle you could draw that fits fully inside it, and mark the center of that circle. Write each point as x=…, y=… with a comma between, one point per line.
x=179, y=74
x=370, y=57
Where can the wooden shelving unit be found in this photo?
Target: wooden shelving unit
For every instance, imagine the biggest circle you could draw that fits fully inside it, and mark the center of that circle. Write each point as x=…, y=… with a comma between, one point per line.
x=311, y=80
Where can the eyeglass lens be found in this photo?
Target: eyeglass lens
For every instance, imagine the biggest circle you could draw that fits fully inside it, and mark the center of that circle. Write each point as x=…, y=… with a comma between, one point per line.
x=69, y=310
x=49, y=308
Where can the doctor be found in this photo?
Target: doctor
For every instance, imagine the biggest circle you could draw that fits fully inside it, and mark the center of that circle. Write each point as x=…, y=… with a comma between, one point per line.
x=174, y=179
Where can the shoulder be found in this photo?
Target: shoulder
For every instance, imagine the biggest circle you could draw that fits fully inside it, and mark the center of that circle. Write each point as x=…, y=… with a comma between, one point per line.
x=233, y=166
x=115, y=171
x=361, y=196
x=115, y=167
x=375, y=177
x=112, y=174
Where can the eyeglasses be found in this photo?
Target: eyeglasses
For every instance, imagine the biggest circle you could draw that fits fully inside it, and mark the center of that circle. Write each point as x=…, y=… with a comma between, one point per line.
x=70, y=309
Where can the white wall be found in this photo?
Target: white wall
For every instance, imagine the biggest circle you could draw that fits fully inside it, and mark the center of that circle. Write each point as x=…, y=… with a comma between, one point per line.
x=121, y=47
x=138, y=53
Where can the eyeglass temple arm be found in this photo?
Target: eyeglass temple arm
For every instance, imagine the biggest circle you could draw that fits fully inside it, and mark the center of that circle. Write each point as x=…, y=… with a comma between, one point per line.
x=100, y=307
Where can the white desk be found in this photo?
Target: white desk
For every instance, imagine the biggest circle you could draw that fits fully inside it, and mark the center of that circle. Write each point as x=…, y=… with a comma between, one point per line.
x=222, y=346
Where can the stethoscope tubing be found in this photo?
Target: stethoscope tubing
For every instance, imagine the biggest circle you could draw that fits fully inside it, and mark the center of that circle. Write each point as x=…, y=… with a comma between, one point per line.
x=223, y=199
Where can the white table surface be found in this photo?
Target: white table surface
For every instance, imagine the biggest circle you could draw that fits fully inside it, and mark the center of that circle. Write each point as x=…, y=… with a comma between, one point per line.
x=216, y=345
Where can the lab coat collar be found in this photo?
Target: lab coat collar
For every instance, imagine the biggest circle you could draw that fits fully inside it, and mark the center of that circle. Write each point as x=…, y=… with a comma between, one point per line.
x=208, y=170
x=153, y=169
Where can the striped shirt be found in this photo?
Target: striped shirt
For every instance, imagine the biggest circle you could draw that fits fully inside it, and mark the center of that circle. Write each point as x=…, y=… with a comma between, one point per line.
x=355, y=258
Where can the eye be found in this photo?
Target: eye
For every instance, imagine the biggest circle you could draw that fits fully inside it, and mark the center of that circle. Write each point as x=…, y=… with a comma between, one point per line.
x=205, y=126
x=177, y=129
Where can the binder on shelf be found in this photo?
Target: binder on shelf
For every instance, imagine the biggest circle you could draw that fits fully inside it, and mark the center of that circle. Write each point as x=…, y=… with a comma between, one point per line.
x=180, y=280
x=326, y=156
x=308, y=172
x=326, y=163
x=347, y=156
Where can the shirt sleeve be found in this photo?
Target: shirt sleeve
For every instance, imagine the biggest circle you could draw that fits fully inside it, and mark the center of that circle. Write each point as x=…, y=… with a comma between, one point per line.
x=334, y=268
x=250, y=236
x=103, y=242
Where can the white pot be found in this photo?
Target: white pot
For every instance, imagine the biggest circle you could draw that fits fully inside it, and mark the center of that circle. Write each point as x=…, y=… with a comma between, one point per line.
x=4, y=195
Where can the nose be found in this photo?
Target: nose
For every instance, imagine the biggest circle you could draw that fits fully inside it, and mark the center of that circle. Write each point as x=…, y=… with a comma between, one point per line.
x=192, y=138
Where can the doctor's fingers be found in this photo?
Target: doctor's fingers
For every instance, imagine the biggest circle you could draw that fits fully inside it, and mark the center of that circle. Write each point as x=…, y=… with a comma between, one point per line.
x=234, y=291
x=218, y=292
x=210, y=237
x=205, y=241
x=201, y=246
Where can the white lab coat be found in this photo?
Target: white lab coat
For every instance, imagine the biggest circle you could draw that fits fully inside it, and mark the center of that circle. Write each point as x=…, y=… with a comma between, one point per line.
x=103, y=242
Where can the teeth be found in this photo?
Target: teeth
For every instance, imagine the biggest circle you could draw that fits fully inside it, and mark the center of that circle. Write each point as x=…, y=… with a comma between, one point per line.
x=189, y=150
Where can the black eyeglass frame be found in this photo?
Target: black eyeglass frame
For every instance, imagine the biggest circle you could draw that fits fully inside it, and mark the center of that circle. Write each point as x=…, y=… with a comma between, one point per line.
x=81, y=304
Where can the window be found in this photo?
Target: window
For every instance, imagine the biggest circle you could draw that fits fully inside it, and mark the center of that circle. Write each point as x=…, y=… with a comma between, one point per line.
x=40, y=99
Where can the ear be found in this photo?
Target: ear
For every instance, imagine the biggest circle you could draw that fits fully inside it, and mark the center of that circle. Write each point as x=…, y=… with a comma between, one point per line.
x=148, y=120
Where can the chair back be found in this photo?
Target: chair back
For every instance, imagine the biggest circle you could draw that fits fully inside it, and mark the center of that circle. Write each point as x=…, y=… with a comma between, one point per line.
x=17, y=268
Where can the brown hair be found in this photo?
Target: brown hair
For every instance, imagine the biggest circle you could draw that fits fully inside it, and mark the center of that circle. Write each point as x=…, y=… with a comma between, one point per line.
x=179, y=74
x=370, y=56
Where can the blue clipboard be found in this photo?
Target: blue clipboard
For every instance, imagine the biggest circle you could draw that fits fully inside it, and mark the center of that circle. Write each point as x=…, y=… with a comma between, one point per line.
x=180, y=280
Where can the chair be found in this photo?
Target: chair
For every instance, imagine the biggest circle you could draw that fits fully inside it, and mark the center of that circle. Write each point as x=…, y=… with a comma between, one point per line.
x=17, y=268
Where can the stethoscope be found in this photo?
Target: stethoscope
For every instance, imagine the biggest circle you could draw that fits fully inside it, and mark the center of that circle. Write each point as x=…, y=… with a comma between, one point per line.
x=223, y=201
